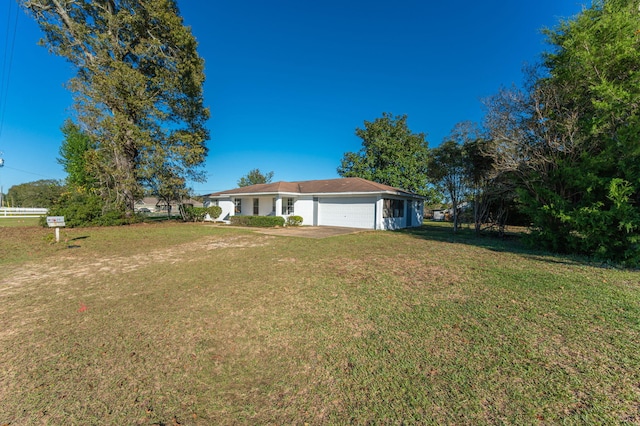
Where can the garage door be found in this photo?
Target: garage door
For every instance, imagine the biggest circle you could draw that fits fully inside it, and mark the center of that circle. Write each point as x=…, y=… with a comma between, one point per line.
x=354, y=213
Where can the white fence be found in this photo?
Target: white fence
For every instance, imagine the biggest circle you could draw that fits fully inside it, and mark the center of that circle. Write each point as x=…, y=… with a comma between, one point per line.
x=21, y=212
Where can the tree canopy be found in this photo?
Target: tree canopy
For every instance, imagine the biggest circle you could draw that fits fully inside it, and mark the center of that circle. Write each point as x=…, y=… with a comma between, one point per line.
x=391, y=154
x=570, y=136
x=254, y=177
x=138, y=88
x=448, y=169
x=41, y=193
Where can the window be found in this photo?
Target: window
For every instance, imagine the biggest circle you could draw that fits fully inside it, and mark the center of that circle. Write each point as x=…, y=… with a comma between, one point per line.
x=256, y=206
x=393, y=208
x=287, y=206
x=273, y=206
x=238, y=206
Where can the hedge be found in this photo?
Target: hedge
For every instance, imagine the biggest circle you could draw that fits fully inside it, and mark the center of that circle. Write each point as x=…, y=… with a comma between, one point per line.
x=294, y=221
x=257, y=221
x=197, y=214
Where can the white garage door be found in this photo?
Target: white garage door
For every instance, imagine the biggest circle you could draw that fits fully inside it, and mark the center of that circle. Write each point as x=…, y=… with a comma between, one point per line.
x=349, y=212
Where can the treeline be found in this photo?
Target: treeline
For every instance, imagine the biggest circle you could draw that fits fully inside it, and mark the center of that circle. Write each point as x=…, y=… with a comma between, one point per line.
x=42, y=193
x=564, y=148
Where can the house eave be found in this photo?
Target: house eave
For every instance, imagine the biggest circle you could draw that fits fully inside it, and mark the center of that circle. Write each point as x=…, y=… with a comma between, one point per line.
x=251, y=194
x=315, y=194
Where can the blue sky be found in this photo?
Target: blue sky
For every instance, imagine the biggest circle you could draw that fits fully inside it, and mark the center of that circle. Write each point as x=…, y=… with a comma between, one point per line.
x=289, y=81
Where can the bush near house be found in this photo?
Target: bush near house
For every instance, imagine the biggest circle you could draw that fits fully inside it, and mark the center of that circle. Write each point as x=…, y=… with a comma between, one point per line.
x=257, y=221
x=81, y=209
x=294, y=221
x=197, y=214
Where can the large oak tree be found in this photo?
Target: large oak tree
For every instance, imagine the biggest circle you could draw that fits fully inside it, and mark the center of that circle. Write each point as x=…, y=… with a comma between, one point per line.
x=391, y=154
x=138, y=88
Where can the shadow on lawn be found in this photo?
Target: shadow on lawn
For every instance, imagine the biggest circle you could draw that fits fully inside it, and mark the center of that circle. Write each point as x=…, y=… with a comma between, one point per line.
x=73, y=246
x=509, y=242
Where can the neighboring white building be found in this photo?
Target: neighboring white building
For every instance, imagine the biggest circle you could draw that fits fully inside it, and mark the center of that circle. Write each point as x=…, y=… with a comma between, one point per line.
x=347, y=202
x=153, y=204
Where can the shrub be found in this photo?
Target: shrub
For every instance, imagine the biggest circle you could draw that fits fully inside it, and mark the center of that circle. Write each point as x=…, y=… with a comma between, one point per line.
x=257, y=221
x=214, y=212
x=80, y=208
x=294, y=221
x=194, y=214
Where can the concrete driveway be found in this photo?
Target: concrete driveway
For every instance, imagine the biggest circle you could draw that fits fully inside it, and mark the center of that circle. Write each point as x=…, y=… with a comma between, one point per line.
x=309, y=231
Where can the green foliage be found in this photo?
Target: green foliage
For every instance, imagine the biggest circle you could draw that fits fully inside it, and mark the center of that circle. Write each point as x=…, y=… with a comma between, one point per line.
x=447, y=168
x=74, y=156
x=198, y=214
x=257, y=221
x=255, y=177
x=391, y=154
x=214, y=212
x=572, y=138
x=42, y=193
x=294, y=220
x=138, y=89
x=169, y=187
x=81, y=209
x=610, y=231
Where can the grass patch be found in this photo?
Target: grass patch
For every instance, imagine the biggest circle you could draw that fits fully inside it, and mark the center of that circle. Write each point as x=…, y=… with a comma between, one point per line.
x=19, y=223
x=198, y=324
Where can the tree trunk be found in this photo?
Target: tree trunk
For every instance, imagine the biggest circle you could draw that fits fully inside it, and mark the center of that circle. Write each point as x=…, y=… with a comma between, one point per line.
x=454, y=204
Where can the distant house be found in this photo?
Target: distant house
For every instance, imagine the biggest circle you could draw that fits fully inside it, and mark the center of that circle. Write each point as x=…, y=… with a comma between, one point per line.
x=347, y=202
x=153, y=204
x=438, y=214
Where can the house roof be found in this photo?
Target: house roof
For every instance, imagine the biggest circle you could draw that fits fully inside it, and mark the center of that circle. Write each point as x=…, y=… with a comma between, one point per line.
x=327, y=186
x=154, y=201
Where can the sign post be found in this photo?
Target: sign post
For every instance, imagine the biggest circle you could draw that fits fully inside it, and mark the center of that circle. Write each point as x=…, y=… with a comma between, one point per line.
x=56, y=222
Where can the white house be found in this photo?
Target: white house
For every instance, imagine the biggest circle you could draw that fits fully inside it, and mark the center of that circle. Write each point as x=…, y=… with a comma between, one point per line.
x=347, y=202
x=153, y=204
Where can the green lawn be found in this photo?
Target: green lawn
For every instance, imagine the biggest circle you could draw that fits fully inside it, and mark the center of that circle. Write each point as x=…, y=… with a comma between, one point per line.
x=197, y=324
x=20, y=223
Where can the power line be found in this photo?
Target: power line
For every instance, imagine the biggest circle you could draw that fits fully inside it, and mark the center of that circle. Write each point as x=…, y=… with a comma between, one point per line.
x=30, y=173
x=6, y=67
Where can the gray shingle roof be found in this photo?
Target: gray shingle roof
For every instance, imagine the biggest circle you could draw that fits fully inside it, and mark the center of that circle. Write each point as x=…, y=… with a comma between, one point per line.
x=327, y=186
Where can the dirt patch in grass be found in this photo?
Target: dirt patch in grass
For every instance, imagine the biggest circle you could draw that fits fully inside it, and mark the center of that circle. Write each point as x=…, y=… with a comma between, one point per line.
x=66, y=267
x=310, y=231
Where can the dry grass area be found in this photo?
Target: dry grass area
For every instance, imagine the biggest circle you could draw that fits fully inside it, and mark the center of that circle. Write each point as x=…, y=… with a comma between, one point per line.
x=189, y=324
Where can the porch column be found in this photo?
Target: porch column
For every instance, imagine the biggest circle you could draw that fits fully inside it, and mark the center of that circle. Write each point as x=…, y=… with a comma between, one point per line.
x=278, y=211
x=378, y=213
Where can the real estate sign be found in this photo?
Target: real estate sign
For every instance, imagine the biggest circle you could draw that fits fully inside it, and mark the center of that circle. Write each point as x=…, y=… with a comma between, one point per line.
x=55, y=221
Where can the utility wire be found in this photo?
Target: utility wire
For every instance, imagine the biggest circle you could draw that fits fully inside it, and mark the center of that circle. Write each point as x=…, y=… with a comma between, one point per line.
x=30, y=173
x=6, y=66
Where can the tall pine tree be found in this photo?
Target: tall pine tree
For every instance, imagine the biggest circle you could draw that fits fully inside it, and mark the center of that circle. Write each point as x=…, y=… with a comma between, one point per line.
x=138, y=87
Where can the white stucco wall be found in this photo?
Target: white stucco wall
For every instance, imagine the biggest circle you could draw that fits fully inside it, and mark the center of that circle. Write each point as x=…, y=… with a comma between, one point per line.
x=393, y=223
x=417, y=212
x=227, y=208
x=303, y=206
x=413, y=208
x=265, y=205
